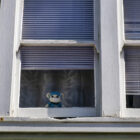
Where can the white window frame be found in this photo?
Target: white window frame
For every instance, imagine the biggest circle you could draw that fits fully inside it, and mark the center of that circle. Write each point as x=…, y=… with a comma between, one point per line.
x=130, y=112
x=52, y=112
x=127, y=112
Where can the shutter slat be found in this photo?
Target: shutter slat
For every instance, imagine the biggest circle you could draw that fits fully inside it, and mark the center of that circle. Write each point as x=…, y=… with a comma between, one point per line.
x=58, y=19
x=132, y=19
x=132, y=66
x=55, y=58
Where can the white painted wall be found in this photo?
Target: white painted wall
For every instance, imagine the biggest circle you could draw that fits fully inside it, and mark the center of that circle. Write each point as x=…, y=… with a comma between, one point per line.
x=111, y=42
x=7, y=20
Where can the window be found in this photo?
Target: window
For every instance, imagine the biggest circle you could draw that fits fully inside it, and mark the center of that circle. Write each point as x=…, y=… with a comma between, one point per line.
x=58, y=20
x=132, y=57
x=57, y=53
x=132, y=62
x=132, y=22
x=68, y=70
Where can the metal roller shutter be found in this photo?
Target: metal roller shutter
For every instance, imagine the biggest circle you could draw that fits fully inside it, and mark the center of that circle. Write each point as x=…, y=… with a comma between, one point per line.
x=58, y=19
x=132, y=62
x=55, y=58
x=132, y=19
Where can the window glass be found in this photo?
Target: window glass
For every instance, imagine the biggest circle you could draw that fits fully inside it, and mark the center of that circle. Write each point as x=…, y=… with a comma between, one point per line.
x=132, y=19
x=132, y=66
x=77, y=87
x=67, y=70
x=58, y=19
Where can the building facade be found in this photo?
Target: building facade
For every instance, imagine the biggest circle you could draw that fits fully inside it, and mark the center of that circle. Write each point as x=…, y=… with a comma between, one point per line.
x=89, y=50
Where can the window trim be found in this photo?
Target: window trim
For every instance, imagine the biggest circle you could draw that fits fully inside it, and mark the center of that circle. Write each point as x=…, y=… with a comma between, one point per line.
x=132, y=43
x=68, y=112
x=129, y=112
x=83, y=111
x=57, y=43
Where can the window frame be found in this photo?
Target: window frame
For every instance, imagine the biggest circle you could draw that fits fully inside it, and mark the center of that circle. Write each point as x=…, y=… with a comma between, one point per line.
x=47, y=112
x=127, y=112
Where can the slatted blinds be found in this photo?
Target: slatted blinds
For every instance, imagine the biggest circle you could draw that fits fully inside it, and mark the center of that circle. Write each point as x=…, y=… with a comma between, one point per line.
x=57, y=58
x=59, y=19
x=132, y=61
x=132, y=19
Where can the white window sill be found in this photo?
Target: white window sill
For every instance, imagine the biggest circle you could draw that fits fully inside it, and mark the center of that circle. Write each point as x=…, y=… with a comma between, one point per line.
x=72, y=120
x=73, y=125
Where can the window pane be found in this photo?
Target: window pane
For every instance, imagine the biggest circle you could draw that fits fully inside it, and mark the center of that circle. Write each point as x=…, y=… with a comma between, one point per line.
x=133, y=101
x=57, y=58
x=77, y=87
x=132, y=67
x=132, y=64
x=132, y=19
x=58, y=19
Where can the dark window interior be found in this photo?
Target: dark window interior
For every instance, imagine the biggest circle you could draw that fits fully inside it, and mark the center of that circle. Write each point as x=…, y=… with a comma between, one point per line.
x=133, y=101
x=77, y=87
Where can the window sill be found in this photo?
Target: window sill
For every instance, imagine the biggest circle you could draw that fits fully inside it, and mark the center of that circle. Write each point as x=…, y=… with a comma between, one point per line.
x=72, y=120
x=71, y=125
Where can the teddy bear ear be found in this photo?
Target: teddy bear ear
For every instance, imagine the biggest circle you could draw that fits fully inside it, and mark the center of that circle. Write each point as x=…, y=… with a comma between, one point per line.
x=48, y=95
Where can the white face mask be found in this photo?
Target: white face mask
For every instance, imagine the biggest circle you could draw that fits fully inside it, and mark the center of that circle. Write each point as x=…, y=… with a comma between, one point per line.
x=55, y=99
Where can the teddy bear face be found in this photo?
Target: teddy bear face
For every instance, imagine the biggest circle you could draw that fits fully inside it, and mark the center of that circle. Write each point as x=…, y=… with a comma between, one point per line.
x=54, y=97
